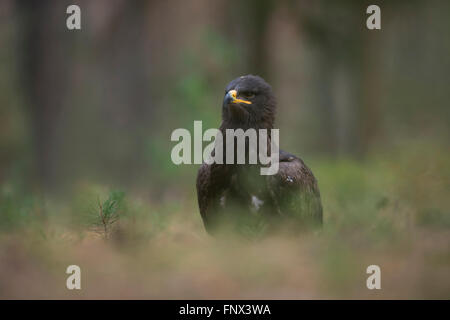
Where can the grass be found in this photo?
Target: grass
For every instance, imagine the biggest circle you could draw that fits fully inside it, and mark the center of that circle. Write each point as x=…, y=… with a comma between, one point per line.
x=391, y=210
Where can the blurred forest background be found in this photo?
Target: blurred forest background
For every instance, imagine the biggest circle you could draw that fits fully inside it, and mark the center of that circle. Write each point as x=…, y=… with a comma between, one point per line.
x=85, y=124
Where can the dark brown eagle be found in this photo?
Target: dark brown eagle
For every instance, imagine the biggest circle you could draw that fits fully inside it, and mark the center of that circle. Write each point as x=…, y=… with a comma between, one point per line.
x=237, y=194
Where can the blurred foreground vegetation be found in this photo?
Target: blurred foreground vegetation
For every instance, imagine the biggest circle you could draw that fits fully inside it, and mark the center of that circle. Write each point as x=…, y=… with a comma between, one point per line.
x=391, y=210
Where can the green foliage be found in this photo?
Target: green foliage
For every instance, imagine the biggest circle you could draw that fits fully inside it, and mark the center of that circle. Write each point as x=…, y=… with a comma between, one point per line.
x=112, y=207
x=19, y=209
x=91, y=213
x=433, y=217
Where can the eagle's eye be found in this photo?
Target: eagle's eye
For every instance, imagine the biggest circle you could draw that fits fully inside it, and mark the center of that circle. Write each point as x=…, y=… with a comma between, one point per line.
x=248, y=95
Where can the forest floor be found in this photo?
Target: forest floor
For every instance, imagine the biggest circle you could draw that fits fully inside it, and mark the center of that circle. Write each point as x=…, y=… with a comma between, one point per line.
x=392, y=211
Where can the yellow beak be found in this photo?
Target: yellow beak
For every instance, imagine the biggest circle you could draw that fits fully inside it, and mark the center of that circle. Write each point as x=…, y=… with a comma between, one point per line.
x=233, y=94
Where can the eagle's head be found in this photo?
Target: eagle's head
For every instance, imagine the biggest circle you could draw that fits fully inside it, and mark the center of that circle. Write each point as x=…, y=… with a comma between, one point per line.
x=249, y=103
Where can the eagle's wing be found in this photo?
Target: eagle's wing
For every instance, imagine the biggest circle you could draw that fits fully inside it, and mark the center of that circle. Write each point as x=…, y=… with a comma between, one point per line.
x=294, y=190
x=212, y=180
x=203, y=181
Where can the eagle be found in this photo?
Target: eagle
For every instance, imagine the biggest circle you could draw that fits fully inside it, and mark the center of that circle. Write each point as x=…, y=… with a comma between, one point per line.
x=237, y=195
